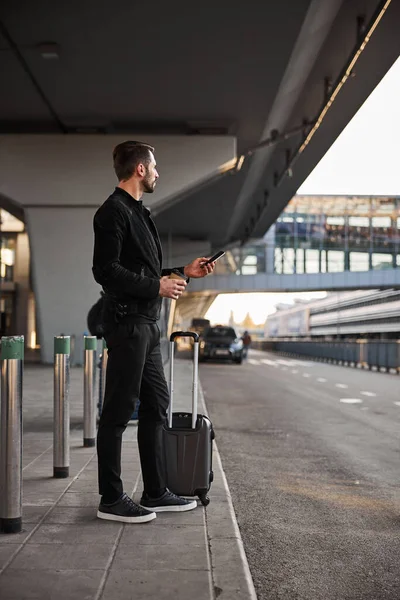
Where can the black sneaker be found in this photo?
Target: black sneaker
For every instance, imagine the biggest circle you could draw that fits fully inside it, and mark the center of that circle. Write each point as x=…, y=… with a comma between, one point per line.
x=167, y=502
x=125, y=511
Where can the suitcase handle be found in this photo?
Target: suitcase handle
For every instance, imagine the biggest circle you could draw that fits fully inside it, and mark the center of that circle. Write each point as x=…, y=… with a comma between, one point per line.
x=172, y=339
x=177, y=334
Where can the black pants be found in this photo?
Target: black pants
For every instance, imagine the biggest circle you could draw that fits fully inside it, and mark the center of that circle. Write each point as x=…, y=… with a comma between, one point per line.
x=134, y=370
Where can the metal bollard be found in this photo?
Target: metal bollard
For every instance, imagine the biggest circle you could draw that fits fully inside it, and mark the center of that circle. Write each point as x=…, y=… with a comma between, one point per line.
x=89, y=404
x=12, y=355
x=102, y=377
x=62, y=349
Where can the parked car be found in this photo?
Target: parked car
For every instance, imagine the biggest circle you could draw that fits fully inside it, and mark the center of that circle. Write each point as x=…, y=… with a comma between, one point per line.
x=221, y=342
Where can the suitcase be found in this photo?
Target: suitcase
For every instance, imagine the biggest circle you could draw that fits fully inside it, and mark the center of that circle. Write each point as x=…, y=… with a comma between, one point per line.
x=188, y=438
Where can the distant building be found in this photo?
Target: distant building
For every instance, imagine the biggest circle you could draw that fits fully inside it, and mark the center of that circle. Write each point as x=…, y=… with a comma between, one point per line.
x=366, y=313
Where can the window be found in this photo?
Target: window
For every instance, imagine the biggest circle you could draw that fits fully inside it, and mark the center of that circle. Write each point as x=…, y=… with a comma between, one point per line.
x=381, y=222
x=312, y=261
x=335, y=220
x=299, y=261
x=278, y=261
x=359, y=221
x=359, y=261
x=335, y=261
x=288, y=261
x=382, y=261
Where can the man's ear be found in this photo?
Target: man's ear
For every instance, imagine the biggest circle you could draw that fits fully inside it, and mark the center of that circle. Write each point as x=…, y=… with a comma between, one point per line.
x=141, y=170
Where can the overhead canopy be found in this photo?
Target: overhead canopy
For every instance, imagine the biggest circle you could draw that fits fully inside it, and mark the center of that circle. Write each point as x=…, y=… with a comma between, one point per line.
x=210, y=69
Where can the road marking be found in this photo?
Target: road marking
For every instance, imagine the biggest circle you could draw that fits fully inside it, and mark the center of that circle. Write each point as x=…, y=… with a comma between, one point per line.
x=285, y=362
x=342, y=385
x=271, y=363
x=295, y=371
x=322, y=380
x=371, y=394
x=396, y=403
x=306, y=375
x=351, y=400
x=303, y=363
x=284, y=368
x=253, y=362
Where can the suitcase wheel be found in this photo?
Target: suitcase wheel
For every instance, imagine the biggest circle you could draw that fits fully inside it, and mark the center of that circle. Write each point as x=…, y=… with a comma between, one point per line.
x=211, y=476
x=205, y=500
x=212, y=434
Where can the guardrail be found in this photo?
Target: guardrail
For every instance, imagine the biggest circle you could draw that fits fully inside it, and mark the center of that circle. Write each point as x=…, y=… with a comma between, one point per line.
x=368, y=354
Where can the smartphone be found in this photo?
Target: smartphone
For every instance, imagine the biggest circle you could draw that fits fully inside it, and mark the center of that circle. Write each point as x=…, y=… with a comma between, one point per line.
x=215, y=257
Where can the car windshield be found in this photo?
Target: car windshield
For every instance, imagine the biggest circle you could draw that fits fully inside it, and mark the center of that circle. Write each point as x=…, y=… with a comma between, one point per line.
x=221, y=332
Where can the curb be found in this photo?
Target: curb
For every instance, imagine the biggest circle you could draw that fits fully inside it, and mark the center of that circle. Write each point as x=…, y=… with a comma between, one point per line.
x=243, y=586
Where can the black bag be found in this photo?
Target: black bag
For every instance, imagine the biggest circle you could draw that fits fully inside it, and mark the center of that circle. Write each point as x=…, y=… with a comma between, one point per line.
x=188, y=439
x=95, y=318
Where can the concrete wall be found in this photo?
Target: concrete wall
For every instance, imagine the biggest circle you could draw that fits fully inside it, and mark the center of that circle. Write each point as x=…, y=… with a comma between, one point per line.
x=61, y=246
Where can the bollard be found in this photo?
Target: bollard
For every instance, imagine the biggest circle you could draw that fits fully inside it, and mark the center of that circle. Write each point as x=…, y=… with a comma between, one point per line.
x=102, y=377
x=12, y=355
x=89, y=405
x=62, y=350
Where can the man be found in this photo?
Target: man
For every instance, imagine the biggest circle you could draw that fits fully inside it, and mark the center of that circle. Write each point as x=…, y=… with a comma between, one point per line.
x=246, y=338
x=127, y=263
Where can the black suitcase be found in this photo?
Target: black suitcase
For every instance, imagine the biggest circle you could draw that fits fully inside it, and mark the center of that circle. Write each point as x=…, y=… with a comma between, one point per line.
x=188, y=438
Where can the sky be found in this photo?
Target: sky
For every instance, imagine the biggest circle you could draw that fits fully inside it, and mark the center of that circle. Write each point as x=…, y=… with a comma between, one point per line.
x=364, y=160
x=365, y=157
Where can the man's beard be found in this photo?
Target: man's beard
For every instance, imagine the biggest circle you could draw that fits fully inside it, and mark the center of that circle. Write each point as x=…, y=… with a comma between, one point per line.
x=148, y=186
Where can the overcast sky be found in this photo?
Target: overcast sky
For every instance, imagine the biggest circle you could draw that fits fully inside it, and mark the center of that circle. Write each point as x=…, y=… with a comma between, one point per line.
x=365, y=157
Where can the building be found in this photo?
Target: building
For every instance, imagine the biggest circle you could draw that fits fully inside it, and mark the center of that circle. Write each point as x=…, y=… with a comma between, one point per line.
x=363, y=313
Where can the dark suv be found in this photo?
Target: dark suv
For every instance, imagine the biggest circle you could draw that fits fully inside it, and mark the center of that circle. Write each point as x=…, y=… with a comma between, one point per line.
x=221, y=342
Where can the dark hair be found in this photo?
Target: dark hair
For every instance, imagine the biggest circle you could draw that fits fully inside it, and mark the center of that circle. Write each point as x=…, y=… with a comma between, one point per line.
x=128, y=155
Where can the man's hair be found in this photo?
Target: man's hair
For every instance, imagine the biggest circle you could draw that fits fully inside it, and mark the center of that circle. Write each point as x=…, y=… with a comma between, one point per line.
x=128, y=155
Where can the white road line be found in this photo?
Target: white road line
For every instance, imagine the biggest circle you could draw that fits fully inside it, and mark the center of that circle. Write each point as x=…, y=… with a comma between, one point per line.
x=370, y=394
x=303, y=363
x=295, y=371
x=351, y=400
x=396, y=403
x=253, y=362
x=285, y=362
x=343, y=386
x=306, y=375
x=322, y=380
x=271, y=363
x=284, y=368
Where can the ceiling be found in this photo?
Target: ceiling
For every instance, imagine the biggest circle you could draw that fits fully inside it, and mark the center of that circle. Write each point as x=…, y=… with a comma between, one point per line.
x=195, y=69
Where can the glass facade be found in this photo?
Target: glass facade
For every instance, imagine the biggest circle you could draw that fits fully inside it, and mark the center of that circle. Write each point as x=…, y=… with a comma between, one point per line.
x=330, y=234
x=324, y=234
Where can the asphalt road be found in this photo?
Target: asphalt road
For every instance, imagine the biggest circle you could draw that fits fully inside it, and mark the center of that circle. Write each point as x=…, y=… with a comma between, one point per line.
x=315, y=479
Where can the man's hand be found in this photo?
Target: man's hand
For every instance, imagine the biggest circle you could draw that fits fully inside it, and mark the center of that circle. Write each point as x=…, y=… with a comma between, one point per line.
x=198, y=268
x=171, y=288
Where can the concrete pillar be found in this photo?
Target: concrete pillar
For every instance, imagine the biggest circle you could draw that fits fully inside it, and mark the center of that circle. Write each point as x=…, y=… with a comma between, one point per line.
x=61, y=242
x=269, y=239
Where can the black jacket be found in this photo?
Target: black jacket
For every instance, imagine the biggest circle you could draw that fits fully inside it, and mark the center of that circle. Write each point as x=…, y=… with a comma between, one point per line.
x=127, y=258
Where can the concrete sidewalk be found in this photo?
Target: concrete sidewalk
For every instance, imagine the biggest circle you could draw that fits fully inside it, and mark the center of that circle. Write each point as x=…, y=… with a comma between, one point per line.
x=66, y=553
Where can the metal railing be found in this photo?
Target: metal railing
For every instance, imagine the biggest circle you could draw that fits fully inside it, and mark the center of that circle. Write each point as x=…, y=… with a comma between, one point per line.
x=380, y=354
